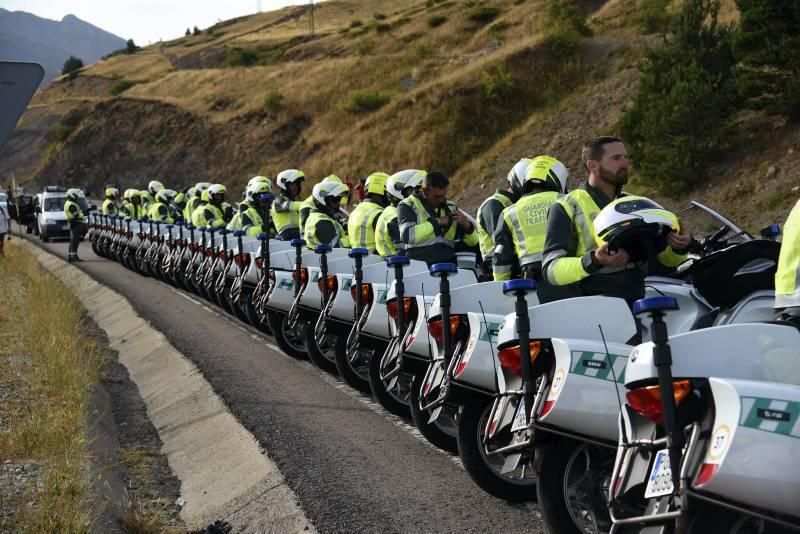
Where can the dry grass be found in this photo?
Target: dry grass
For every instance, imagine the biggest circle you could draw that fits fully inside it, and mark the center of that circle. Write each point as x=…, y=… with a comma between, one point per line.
x=56, y=368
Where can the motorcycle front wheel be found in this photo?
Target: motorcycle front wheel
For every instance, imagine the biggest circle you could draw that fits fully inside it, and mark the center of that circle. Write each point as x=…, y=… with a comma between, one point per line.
x=572, y=482
x=485, y=469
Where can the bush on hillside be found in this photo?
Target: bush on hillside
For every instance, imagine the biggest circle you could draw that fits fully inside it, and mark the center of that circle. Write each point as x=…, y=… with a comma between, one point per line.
x=240, y=57
x=365, y=101
x=120, y=86
x=652, y=16
x=130, y=47
x=273, y=101
x=483, y=14
x=564, y=27
x=72, y=66
x=680, y=116
x=767, y=46
x=364, y=47
x=436, y=20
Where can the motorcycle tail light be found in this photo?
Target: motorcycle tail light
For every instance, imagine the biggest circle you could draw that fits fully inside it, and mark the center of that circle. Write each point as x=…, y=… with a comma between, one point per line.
x=303, y=276
x=366, y=290
x=243, y=260
x=436, y=328
x=392, y=308
x=511, y=360
x=707, y=472
x=646, y=401
x=330, y=280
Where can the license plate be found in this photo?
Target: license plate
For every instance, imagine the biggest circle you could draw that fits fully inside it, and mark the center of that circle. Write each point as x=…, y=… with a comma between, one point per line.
x=660, y=481
x=519, y=419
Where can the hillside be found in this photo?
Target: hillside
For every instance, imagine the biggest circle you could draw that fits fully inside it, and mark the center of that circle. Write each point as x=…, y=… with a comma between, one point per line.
x=26, y=37
x=462, y=86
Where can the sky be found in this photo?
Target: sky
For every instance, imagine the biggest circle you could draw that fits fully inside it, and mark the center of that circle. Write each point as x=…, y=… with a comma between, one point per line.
x=146, y=21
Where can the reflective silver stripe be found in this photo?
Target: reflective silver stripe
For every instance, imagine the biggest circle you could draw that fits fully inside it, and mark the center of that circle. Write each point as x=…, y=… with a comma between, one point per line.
x=530, y=258
x=584, y=227
x=501, y=269
x=519, y=236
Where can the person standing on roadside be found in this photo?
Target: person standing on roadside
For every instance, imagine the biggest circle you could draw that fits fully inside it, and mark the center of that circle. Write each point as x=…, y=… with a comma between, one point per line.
x=77, y=228
x=5, y=227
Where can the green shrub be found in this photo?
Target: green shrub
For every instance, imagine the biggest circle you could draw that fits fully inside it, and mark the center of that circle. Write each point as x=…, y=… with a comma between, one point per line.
x=240, y=57
x=564, y=27
x=496, y=30
x=273, y=101
x=356, y=23
x=497, y=84
x=423, y=51
x=379, y=16
x=363, y=101
x=383, y=28
x=436, y=20
x=483, y=14
x=681, y=115
x=120, y=86
x=67, y=125
x=652, y=16
x=71, y=67
x=413, y=36
x=364, y=47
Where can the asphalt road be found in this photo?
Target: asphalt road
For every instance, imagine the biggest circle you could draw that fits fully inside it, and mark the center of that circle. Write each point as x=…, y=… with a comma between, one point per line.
x=353, y=466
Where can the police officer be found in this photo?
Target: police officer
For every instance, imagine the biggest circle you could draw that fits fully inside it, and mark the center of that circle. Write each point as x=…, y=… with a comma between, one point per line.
x=110, y=203
x=431, y=226
x=787, y=277
x=308, y=204
x=77, y=228
x=253, y=216
x=194, y=199
x=210, y=213
x=521, y=233
x=179, y=206
x=286, y=207
x=364, y=218
x=322, y=225
x=399, y=186
x=134, y=209
x=572, y=257
x=160, y=209
x=492, y=208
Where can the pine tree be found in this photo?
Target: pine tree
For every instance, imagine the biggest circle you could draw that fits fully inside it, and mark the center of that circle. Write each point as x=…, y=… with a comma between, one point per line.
x=767, y=46
x=196, y=31
x=680, y=116
x=130, y=47
x=72, y=66
x=188, y=32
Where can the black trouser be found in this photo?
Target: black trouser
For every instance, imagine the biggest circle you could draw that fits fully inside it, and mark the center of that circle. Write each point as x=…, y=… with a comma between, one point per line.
x=76, y=231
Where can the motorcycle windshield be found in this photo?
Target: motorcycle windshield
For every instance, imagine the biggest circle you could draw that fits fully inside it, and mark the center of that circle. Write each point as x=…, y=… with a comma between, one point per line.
x=704, y=222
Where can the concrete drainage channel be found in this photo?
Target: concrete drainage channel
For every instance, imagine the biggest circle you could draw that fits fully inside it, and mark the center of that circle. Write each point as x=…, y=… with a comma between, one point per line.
x=224, y=473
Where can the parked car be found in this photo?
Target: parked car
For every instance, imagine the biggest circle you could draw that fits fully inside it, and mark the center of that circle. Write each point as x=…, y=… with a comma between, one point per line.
x=49, y=208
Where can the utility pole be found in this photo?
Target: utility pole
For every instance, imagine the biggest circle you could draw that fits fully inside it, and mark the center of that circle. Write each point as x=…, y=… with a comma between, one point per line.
x=311, y=17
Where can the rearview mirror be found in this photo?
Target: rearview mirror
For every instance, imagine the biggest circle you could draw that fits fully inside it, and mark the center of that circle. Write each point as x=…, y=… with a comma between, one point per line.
x=771, y=232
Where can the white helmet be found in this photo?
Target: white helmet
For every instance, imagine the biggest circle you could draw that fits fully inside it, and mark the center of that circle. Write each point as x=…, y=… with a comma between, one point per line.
x=630, y=222
x=516, y=176
x=154, y=187
x=74, y=193
x=202, y=186
x=216, y=189
x=399, y=181
x=257, y=188
x=166, y=196
x=325, y=190
x=256, y=179
x=288, y=176
x=547, y=172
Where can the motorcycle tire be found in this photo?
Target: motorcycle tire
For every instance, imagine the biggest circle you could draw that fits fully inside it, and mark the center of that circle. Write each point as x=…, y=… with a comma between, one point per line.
x=315, y=353
x=471, y=422
x=432, y=432
x=253, y=317
x=551, y=461
x=277, y=323
x=346, y=371
x=390, y=402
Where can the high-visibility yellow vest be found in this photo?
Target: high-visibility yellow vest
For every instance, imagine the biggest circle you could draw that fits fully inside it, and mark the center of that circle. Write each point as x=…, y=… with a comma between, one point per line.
x=109, y=207
x=134, y=212
x=361, y=224
x=787, y=277
x=285, y=213
x=527, y=220
x=75, y=214
x=383, y=240
x=310, y=235
x=156, y=214
x=485, y=239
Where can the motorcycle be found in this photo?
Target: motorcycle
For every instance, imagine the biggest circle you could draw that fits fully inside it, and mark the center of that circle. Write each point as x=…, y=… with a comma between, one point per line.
x=727, y=421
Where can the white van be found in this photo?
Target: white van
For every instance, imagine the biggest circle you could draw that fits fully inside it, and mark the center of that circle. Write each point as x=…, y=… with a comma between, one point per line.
x=51, y=221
